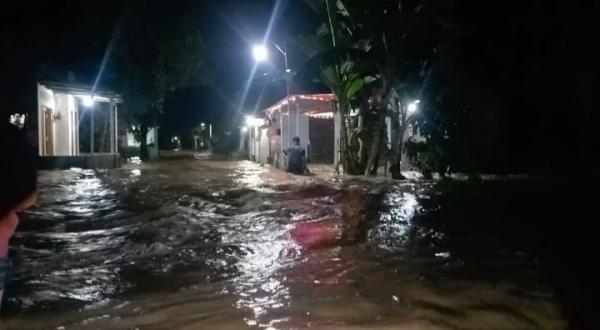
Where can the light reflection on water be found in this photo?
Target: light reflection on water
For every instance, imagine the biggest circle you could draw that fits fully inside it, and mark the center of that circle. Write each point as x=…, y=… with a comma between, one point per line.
x=198, y=244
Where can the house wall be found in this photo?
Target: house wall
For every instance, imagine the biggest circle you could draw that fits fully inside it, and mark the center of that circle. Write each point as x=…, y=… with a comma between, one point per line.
x=63, y=124
x=258, y=144
x=336, y=137
x=275, y=139
x=74, y=124
x=322, y=140
x=45, y=99
x=301, y=130
x=252, y=147
x=263, y=146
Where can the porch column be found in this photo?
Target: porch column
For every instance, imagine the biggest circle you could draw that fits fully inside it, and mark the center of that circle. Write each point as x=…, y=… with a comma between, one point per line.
x=280, y=163
x=91, y=114
x=297, y=119
x=116, y=132
x=111, y=116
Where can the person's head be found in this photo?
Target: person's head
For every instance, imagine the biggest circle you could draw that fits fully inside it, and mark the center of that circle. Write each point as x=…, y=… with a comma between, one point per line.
x=18, y=172
x=296, y=141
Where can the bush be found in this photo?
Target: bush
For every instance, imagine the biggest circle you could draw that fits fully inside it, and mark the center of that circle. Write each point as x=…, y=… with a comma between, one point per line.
x=426, y=157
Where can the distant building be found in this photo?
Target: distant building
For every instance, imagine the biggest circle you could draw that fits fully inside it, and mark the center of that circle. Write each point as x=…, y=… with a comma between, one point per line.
x=77, y=127
x=310, y=117
x=315, y=120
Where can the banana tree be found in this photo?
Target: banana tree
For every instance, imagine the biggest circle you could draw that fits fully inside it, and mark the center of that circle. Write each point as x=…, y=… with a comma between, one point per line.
x=345, y=84
x=337, y=62
x=380, y=47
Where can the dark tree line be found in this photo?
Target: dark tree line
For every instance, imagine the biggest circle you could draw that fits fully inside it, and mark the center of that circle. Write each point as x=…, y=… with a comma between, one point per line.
x=506, y=87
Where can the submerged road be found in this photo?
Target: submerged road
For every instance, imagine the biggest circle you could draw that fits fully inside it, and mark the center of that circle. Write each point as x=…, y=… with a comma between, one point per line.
x=191, y=244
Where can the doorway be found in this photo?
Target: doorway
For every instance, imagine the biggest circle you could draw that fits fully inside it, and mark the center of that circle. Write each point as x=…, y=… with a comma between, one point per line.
x=48, y=131
x=321, y=132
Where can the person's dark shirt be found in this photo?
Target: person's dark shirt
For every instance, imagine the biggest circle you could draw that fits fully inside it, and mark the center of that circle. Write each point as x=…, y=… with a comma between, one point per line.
x=295, y=156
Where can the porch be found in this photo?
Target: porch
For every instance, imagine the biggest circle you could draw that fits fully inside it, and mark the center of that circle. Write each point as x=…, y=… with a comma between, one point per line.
x=77, y=126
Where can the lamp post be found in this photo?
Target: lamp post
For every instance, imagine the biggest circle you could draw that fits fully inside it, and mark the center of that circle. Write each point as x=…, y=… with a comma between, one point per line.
x=261, y=54
x=413, y=106
x=410, y=110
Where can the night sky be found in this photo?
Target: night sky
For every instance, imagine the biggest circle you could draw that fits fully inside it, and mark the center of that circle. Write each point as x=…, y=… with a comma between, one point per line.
x=531, y=66
x=46, y=41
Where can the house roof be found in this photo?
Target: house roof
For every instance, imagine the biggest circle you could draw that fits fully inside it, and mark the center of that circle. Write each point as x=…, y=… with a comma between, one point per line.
x=80, y=89
x=306, y=103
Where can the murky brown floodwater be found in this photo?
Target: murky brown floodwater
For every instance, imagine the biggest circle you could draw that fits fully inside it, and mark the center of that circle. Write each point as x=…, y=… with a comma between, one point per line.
x=195, y=244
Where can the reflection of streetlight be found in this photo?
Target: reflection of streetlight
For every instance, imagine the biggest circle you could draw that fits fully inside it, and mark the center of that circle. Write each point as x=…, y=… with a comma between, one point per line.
x=244, y=129
x=413, y=106
x=260, y=53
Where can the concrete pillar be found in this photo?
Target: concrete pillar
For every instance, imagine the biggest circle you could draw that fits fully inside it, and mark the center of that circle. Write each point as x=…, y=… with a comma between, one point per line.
x=91, y=114
x=116, y=132
x=111, y=128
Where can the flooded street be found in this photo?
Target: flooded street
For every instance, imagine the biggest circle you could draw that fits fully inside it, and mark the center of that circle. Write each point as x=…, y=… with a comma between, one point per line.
x=198, y=244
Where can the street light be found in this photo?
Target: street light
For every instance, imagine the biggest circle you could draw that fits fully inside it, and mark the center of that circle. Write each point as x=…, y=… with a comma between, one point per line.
x=87, y=101
x=260, y=53
x=413, y=106
x=250, y=121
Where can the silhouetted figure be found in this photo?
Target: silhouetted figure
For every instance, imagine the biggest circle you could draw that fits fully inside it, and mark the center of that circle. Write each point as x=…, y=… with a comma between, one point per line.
x=296, y=157
x=18, y=185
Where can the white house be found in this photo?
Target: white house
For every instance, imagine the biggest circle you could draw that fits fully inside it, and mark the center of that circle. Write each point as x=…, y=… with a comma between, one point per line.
x=77, y=127
x=314, y=119
x=309, y=117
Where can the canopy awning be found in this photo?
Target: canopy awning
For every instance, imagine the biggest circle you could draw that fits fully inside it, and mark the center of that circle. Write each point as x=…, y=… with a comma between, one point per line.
x=310, y=104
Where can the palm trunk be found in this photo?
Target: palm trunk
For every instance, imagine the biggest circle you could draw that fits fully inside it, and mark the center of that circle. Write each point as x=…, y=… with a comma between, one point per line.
x=363, y=150
x=371, y=168
x=396, y=143
x=348, y=160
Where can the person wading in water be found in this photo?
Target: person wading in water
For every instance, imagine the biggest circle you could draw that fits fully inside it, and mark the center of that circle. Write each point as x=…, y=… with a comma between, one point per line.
x=18, y=186
x=296, y=157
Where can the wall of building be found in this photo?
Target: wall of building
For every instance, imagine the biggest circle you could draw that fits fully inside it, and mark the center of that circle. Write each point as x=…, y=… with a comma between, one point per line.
x=322, y=140
x=337, y=122
x=274, y=134
x=63, y=124
x=262, y=144
x=298, y=126
x=45, y=99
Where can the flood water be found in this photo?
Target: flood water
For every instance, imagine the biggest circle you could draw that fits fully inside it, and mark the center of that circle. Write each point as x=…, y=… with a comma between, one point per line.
x=198, y=244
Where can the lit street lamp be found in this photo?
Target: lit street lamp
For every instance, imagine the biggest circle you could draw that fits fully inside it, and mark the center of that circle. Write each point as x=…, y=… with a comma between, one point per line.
x=261, y=54
x=413, y=106
x=252, y=121
x=249, y=121
x=87, y=101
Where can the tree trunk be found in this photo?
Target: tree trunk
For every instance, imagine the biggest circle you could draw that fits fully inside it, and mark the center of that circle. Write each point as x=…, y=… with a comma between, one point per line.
x=363, y=150
x=349, y=162
x=375, y=168
x=396, y=143
x=343, y=141
x=396, y=167
x=144, y=154
x=375, y=148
